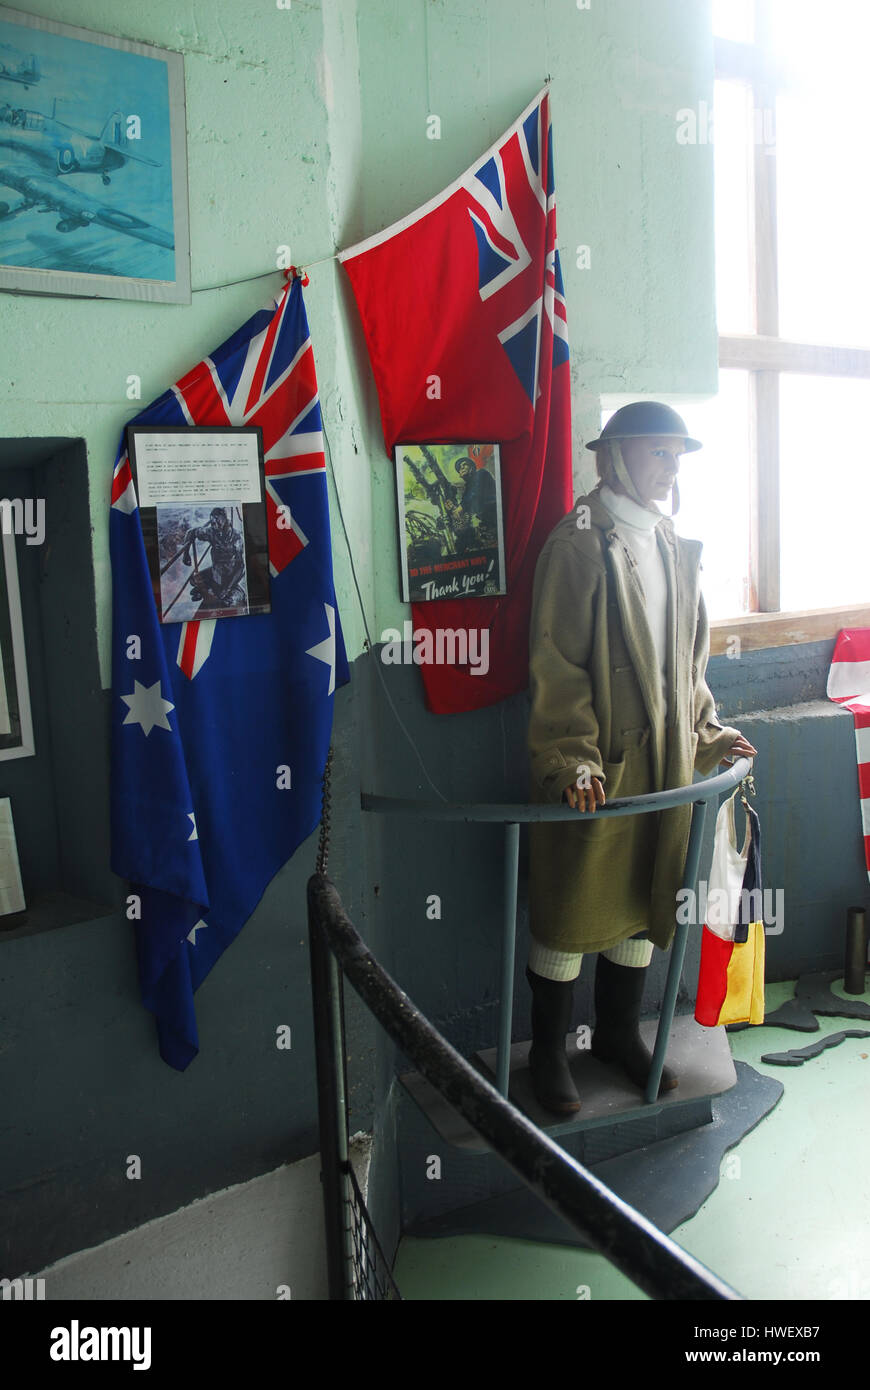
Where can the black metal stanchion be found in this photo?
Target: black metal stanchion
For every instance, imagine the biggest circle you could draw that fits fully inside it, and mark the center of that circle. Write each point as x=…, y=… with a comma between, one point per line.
x=856, y=950
x=332, y=1109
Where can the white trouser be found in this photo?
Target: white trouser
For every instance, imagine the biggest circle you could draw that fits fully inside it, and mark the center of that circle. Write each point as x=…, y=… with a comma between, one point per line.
x=565, y=965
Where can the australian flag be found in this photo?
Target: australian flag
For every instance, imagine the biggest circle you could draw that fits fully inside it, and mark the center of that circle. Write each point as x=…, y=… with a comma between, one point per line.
x=221, y=728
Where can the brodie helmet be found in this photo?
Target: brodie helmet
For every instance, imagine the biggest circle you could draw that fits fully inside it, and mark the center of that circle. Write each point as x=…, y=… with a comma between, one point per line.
x=645, y=418
x=639, y=420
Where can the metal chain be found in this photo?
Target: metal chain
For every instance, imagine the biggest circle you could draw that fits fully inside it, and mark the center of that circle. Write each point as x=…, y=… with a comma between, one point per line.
x=323, y=843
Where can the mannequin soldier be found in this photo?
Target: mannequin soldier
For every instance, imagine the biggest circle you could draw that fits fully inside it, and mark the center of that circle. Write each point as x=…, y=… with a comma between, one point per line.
x=619, y=643
x=227, y=561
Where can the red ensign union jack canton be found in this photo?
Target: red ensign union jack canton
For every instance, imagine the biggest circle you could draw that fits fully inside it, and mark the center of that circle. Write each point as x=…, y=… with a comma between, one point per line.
x=506, y=266
x=221, y=728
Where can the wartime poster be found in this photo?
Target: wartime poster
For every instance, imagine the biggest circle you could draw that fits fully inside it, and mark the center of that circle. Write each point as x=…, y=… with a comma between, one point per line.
x=450, y=521
x=202, y=503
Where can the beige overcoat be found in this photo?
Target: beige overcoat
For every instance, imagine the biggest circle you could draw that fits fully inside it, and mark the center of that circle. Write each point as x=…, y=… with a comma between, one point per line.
x=597, y=703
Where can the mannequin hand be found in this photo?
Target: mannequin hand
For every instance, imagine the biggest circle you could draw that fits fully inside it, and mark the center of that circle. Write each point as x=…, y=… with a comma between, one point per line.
x=585, y=798
x=740, y=748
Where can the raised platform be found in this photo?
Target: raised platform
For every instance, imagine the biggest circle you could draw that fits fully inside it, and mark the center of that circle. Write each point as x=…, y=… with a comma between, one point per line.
x=701, y=1057
x=667, y=1180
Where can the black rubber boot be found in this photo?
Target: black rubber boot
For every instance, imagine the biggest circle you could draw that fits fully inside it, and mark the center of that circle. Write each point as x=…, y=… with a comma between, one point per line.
x=618, y=994
x=548, y=1062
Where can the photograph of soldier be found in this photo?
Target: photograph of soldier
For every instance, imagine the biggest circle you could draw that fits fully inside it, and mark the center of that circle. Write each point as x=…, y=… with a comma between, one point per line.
x=202, y=562
x=450, y=520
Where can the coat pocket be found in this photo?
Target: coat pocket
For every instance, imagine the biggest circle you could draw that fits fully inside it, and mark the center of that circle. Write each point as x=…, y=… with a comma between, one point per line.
x=625, y=776
x=598, y=827
x=613, y=775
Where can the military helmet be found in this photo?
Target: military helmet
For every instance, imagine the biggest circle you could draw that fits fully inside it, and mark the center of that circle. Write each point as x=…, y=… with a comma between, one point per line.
x=642, y=418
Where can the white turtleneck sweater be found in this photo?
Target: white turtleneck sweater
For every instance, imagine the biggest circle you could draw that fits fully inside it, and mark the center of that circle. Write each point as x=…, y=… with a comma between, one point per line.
x=635, y=525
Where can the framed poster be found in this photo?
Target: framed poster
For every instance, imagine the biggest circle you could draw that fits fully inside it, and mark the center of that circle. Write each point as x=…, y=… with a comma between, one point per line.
x=451, y=537
x=93, y=164
x=203, y=508
x=16, y=725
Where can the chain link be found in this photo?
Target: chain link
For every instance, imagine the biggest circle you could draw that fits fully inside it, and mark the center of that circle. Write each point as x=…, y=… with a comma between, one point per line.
x=323, y=843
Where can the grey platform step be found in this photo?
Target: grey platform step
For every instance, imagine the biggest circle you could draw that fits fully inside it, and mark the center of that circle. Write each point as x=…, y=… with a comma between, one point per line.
x=700, y=1056
x=666, y=1181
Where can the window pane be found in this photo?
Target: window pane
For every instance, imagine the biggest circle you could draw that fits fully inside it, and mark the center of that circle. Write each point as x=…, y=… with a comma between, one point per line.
x=821, y=152
x=733, y=19
x=733, y=131
x=715, y=495
x=824, y=491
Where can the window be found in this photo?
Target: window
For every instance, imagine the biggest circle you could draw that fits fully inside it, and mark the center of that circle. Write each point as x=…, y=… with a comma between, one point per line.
x=791, y=422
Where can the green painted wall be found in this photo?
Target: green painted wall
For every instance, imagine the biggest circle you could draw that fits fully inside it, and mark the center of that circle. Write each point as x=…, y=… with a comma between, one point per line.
x=307, y=126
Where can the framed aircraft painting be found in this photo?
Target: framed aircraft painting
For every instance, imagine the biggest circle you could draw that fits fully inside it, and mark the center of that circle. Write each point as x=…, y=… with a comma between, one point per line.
x=93, y=164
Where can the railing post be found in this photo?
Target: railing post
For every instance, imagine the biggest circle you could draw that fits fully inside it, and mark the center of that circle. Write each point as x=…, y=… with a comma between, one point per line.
x=508, y=952
x=678, y=952
x=332, y=1109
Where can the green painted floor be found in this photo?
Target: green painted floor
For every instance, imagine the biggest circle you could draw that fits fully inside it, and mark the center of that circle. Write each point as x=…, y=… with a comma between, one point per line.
x=790, y=1218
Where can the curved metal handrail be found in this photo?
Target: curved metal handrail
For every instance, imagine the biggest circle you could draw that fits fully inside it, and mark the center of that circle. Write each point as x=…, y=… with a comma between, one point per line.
x=520, y=812
x=698, y=794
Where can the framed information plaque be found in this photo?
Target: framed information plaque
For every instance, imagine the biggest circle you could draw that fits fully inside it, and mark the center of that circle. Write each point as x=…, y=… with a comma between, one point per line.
x=202, y=503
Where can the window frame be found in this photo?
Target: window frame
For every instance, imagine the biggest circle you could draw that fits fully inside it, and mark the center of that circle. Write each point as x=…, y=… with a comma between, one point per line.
x=765, y=356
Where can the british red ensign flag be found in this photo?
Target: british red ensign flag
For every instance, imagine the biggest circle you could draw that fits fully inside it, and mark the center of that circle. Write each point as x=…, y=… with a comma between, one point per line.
x=463, y=310
x=849, y=685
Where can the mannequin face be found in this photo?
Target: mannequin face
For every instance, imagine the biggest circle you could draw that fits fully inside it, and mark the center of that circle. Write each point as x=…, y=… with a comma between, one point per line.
x=653, y=462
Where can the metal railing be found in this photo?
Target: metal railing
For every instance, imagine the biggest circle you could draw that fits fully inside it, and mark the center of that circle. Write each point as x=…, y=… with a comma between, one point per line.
x=512, y=816
x=638, y=1248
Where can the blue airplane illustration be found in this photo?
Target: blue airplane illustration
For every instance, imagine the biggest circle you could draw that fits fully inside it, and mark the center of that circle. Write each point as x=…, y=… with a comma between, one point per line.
x=18, y=67
x=76, y=209
x=65, y=148
x=45, y=150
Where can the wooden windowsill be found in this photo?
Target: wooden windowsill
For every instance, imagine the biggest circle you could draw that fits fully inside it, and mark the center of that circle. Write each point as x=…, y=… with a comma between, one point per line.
x=758, y=630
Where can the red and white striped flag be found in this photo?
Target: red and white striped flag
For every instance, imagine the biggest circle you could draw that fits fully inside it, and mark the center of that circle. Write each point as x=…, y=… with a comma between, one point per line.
x=849, y=685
